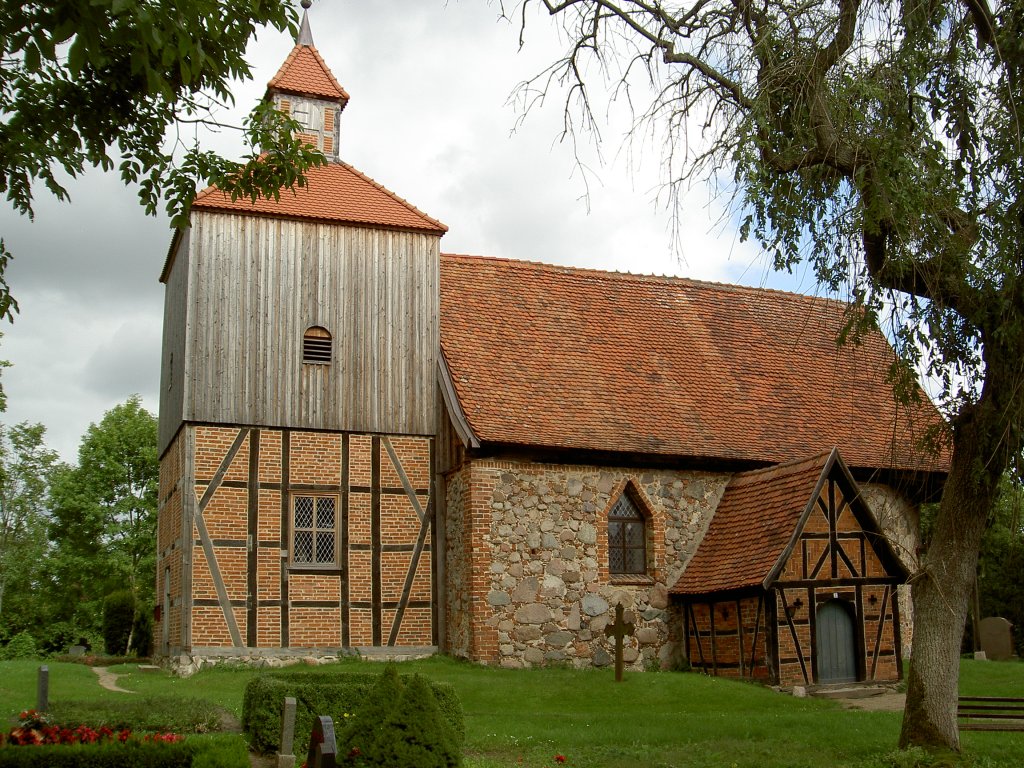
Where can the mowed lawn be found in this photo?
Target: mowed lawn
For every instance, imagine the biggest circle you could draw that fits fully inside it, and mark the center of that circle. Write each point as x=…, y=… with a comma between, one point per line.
x=526, y=718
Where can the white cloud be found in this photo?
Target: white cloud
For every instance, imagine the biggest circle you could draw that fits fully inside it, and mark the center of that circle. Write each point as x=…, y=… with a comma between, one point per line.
x=429, y=119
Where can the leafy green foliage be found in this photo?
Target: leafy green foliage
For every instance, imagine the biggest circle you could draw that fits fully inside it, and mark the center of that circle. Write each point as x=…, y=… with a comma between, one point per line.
x=100, y=83
x=25, y=467
x=414, y=733
x=104, y=514
x=1001, y=564
x=324, y=692
x=21, y=646
x=118, y=619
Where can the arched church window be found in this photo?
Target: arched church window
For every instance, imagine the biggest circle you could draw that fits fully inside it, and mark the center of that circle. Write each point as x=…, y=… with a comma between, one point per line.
x=316, y=346
x=627, y=537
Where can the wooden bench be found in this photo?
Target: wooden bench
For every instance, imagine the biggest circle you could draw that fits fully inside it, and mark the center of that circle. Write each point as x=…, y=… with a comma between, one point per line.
x=990, y=713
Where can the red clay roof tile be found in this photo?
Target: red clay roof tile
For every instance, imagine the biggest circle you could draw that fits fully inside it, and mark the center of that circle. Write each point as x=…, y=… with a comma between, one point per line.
x=305, y=73
x=566, y=358
x=752, y=526
x=335, y=192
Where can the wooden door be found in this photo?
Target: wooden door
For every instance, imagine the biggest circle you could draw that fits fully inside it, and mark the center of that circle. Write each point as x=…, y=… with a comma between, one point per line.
x=837, y=647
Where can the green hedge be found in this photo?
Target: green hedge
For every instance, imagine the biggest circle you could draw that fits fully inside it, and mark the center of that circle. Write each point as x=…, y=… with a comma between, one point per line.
x=220, y=751
x=321, y=693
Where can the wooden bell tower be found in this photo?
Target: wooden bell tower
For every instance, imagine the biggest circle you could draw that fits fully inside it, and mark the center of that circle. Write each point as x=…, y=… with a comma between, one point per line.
x=298, y=409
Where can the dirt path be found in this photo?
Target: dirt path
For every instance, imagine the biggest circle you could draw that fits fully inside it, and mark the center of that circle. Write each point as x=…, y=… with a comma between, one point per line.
x=108, y=679
x=885, y=702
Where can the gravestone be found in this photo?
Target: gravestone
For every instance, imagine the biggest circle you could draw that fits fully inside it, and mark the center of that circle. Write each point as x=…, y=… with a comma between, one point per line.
x=286, y=751
x=76, y=650
x=996, y=638
x=43, y=689
x=619, y=629
x=323, y=750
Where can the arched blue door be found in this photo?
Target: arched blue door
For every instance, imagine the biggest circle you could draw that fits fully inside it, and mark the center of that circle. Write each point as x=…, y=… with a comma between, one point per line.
x=837, y=647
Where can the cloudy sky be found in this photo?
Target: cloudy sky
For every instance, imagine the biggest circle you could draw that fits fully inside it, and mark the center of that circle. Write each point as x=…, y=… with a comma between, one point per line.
x=429, y=118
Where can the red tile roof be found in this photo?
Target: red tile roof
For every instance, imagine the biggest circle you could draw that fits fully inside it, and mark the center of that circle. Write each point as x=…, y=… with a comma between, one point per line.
x=335, y=192
x=752, y=526
x=305, y=73
x=564, y=358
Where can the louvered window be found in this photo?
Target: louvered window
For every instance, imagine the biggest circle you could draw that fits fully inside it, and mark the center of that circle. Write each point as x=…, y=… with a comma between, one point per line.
x=627, y=538
x=314, y=530
x=316, y=346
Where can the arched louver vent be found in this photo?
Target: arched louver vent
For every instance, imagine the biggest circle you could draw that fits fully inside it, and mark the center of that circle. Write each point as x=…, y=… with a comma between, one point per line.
x=316, y=346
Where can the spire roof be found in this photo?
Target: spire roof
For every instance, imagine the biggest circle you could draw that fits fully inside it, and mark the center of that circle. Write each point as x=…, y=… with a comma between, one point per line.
x=305, y=73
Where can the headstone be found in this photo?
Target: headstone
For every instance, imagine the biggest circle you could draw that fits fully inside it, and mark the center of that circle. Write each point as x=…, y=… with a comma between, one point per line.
x=76, y=650
x=323, y=750
x=43, y=689
x=619, y=630
x=286, y=752
x=996, y=638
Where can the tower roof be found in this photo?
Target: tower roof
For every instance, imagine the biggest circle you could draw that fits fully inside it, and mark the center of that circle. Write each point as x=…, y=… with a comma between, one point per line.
x=335, y=192
x=305, y=73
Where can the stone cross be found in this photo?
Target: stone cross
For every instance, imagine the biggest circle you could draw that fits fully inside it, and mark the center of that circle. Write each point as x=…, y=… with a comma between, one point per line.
x=619, y=630
x=43, y=689
x=323, y=750
x=286, y=752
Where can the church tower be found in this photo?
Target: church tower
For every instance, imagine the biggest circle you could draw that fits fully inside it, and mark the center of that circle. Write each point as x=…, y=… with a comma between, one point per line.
x=298, y=409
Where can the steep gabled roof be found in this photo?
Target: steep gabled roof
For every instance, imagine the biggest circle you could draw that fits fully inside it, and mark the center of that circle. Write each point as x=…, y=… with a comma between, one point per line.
x=335, y=192
x=759, y=520
x=305, y=73
x=564, y=358
x=752, y=526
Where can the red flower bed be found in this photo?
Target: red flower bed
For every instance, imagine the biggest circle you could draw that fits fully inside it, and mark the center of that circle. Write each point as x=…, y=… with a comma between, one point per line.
x=35, y=728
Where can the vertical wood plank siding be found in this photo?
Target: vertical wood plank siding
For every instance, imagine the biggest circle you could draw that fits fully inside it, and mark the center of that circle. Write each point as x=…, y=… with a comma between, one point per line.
x=172, y=366
x=376, y=291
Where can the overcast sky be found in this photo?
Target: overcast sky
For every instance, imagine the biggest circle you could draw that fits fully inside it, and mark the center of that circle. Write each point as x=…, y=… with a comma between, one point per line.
x=430, y=119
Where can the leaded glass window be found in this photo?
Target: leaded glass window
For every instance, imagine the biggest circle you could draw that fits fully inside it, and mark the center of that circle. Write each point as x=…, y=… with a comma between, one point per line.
x=313, y=530
x=627, y=538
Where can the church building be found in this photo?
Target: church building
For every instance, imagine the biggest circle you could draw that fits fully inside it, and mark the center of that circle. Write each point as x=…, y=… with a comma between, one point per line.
x=368, y=445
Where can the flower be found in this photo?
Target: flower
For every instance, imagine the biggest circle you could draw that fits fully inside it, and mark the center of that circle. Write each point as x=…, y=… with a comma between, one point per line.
x=559, y=759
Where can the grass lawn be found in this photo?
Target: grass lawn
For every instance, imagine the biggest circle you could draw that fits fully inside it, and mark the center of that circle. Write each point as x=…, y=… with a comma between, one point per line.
x=525, y=718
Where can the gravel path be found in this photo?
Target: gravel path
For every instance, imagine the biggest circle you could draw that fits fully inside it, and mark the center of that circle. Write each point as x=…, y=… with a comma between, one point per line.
x=108, y=679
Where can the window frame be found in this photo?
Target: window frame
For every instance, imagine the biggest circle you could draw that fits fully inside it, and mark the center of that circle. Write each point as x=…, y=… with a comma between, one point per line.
x=625, y=548
x=314, y=529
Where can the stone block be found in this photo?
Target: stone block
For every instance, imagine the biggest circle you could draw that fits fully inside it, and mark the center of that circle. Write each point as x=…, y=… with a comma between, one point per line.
x=533, y=656
x=574, y=622
x=594, y=605
x=497, y=598
x=587, y=533
x=558, y=639
x=658, y=597
x=527, y=633
x=601, y=657
x=527, y=590
x=533, y=613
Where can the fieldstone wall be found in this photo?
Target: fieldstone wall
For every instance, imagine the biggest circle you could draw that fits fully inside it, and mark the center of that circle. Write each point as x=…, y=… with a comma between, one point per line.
x=900, y=520
x=534, y=557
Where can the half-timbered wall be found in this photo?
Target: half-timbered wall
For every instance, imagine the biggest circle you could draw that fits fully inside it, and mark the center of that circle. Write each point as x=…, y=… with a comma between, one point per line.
x=835, y=559
x=248, y=588
x=255, y=284
x=730, y=637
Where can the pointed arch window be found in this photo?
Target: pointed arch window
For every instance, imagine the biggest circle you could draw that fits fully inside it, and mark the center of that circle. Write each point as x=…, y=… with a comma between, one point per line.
x=317, y=346
x=627, y=537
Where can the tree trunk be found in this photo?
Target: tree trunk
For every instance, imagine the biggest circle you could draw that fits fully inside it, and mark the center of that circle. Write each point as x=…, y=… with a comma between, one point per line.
x=942, y=588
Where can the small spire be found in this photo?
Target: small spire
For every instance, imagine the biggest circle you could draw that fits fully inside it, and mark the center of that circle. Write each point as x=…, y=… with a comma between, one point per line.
x=305, y=35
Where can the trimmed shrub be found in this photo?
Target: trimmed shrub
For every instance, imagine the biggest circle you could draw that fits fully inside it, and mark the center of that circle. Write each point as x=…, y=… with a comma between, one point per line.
x=118, y=617
x=21, y=646
x=414, y=733
x=133, y=755
x=322, y=693
x=363, y=730
x=227, y=750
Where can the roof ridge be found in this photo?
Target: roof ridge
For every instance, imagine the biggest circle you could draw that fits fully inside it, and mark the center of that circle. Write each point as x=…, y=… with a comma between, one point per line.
x=787, y=467
x=395, y=197
x=647, y=277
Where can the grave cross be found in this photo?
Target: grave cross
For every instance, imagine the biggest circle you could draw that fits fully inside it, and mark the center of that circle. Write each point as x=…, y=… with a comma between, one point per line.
x=619, y=630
